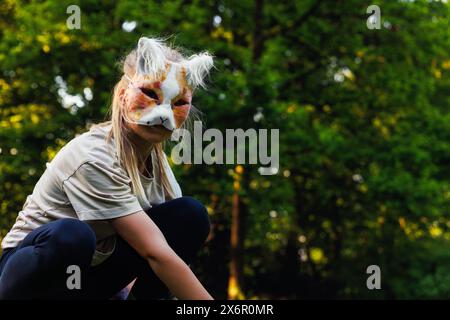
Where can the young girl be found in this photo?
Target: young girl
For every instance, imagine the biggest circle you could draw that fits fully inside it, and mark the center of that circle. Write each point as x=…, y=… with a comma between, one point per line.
x=108, y=210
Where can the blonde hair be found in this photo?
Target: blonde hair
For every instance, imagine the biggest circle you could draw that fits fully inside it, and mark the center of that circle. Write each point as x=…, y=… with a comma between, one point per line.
x=126, y=154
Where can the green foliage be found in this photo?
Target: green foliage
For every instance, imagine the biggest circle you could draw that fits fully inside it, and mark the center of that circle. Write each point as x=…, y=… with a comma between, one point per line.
x=363, y=118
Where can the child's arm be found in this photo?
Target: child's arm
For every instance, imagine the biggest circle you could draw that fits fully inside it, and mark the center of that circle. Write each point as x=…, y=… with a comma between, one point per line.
x=146, y=238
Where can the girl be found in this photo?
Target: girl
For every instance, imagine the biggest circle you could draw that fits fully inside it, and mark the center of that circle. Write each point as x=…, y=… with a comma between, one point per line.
x=108, y=210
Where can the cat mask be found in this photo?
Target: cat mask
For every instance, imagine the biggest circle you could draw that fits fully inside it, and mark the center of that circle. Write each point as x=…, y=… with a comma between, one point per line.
x=160, y=92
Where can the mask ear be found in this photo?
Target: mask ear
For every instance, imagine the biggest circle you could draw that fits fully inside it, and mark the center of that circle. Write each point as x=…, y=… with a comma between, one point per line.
x=150, y=57
x=197, y=67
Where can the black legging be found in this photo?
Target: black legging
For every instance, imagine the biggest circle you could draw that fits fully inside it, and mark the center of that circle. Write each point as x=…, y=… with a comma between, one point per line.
x=37, y=268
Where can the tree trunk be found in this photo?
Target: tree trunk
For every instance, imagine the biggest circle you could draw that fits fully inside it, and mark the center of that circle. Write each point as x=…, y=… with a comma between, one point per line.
x=234, y=290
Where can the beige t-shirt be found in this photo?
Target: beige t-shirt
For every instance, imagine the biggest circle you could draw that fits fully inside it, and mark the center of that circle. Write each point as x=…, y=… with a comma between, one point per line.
x=85, y=181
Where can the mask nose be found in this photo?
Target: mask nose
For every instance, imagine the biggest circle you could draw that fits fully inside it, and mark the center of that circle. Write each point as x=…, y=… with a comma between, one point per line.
x=160, y=115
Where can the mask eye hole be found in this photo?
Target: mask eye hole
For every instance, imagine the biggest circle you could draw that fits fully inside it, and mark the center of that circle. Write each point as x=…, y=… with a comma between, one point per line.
x=150, y=93
x=180, y=103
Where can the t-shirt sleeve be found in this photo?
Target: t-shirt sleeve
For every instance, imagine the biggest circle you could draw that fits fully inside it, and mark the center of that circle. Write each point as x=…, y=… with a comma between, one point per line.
x=99, y=192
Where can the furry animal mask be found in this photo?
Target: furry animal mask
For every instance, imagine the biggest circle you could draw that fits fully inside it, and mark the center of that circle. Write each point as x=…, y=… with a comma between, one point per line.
x=160, y=92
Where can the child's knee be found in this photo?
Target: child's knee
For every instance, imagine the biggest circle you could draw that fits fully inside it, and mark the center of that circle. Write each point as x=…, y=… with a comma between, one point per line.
x=73, y=238
x=196, y=216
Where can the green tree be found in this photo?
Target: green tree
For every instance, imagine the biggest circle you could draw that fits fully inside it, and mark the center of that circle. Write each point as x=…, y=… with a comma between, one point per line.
x=363, y=119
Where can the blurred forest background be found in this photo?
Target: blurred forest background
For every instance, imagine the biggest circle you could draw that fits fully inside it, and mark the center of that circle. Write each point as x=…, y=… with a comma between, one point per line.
x=364, y=132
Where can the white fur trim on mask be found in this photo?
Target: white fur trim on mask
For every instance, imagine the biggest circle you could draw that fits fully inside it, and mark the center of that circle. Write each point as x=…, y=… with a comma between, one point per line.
x=198, y=66
x=150, y=57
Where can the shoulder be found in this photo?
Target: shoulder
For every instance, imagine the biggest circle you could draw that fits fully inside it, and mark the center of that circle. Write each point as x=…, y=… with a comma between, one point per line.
x=101, y=147
x=96, y=176
x=89, y=147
